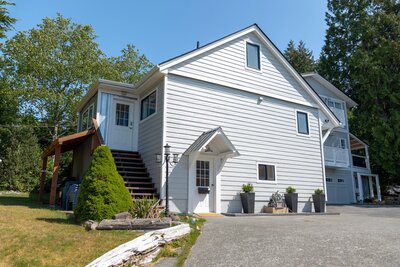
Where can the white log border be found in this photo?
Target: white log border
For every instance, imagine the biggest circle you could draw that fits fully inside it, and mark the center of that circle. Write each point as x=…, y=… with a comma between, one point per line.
x=141, y=250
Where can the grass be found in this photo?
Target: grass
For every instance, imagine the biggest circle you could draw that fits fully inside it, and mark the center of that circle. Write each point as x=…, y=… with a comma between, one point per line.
x=34, y=235
x=181, y=248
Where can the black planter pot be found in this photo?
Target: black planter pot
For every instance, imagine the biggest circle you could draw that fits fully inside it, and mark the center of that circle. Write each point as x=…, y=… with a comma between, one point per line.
x=291, y=201
x=248, y=200
x=319, y=203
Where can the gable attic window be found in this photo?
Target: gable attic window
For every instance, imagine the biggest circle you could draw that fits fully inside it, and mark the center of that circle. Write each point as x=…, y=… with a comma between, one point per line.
x=148, y=105
x=302, y=123
x=253, y=56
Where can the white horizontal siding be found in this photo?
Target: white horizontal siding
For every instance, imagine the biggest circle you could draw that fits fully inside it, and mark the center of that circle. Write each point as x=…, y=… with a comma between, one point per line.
x=226, y=65
x=265, y=132
x=150, y=137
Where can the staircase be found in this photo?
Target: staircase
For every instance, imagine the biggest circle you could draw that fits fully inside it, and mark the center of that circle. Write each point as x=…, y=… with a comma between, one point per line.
x=132, y=168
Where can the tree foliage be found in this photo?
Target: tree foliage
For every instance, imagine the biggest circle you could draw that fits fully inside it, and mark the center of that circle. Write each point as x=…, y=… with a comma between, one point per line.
x=346, y=24
x=53, y=64
x=102, y=192
x=362, y=56
x=20, y=155
x=300, y=58
x=6, y=22
x=130, y=67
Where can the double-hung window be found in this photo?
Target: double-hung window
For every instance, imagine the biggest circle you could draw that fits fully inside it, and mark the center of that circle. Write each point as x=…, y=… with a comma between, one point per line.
x=87, y=116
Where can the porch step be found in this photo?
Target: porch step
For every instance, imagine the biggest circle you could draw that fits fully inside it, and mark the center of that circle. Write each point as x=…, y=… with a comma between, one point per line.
x=137, y=180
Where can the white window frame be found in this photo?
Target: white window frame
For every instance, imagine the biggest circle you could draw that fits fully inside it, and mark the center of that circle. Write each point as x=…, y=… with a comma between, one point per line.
x=259, y=56
x=88, y=123
x=308, y=122
x=267, y=181
x=140, y=108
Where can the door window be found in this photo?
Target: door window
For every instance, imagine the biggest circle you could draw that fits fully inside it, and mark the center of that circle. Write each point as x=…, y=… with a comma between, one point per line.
x=202, y=173
x=122, y=115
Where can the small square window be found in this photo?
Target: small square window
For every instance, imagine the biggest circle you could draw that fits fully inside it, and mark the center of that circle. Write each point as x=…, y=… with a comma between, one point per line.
x=266, y=172
x=302, y=123
x=253, y=56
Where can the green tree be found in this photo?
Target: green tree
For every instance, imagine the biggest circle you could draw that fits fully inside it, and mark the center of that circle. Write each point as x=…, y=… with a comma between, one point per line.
x=102, y=192
x=346, y=24
x=375, y=79
x=6, y=22
x=130, y=67
x=20, y=165
x=300, y=58
x=53, y=65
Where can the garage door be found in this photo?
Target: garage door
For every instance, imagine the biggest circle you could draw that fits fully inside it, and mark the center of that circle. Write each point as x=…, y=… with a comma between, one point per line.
x=337, y=191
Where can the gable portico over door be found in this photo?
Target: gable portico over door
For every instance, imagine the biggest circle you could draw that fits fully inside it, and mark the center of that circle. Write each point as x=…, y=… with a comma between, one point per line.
x=123, y=124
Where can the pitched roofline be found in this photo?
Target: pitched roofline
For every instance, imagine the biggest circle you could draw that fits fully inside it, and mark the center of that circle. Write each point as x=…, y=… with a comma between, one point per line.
x=319, y=78
x=255, y=28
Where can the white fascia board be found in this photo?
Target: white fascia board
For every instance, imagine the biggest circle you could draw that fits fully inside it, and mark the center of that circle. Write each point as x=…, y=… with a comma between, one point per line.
x=331, y=88
x=254, y=28
x=206, y=48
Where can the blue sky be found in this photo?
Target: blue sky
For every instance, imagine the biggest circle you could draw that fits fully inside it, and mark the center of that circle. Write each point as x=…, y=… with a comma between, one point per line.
x=164, y=29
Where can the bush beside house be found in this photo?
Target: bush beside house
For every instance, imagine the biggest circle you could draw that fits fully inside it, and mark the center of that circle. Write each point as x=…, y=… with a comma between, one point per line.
x=102, y=192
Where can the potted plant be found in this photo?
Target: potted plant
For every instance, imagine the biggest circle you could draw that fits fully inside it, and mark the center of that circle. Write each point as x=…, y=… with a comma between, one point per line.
x=291, y=199
x=319, y=200
x=247, y=198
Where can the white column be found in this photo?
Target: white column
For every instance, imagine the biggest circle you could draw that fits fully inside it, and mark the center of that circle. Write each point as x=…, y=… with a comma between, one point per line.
x=360, y=187
x=378, y=187
x=354, y=187
x=371, y=187
x=367, y=158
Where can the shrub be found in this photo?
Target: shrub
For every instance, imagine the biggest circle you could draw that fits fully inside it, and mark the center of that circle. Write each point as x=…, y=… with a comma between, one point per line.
x=290, y=190
x=102, y=191
x=145, y=208
x=247, y=188
x=319, y=191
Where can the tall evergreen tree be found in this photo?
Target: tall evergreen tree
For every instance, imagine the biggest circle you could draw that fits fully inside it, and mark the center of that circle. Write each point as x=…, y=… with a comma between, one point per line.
x=375, y=79
x=346, y=24
x=361, y=56
x=300, y=58
x=6, y=22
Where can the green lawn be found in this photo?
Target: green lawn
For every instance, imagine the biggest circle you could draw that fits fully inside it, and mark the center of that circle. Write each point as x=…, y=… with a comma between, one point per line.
x=34, y=235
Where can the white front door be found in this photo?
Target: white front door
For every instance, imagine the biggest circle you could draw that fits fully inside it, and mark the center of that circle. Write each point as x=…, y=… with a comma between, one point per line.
x=203, y=201
x=121, y=134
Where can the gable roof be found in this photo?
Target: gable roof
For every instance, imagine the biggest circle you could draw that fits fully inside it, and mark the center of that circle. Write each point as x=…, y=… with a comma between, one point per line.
x=316, y=76
x=205, y=138
x=164, y=66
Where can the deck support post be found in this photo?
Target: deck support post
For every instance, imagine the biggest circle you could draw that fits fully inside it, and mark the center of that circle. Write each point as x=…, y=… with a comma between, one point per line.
x=54, y=178
x=43, y=178
x=360, y=187
x=378, y=187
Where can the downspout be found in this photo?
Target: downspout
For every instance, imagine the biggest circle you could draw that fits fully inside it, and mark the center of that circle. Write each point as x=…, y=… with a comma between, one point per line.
x=322, y=140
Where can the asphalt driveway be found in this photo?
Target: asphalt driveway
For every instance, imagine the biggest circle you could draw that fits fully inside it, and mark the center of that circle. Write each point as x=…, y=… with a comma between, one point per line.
x=360, y=236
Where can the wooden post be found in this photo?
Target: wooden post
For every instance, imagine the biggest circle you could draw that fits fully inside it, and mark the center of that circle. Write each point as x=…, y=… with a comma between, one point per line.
x=54, y=178
x=43, y=178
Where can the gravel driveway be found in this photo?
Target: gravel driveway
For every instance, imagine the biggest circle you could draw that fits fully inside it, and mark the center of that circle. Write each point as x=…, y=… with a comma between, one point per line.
x=360, y=236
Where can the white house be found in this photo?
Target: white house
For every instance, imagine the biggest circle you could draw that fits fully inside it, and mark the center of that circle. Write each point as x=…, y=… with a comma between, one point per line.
x=236, y=112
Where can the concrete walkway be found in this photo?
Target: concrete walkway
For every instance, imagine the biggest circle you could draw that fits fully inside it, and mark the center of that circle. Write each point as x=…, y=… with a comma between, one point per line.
x=360, y=236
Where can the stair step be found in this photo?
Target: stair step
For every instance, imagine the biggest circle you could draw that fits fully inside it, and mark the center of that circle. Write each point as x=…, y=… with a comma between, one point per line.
x=142, y=195
x=130, y=168
x=131, y=164
x=138, y=183
x=127, y=159
x=141, y=189
x=136, y=179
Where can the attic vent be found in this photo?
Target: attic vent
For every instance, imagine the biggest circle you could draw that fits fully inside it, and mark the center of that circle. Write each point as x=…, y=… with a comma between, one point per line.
x=197, y=45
